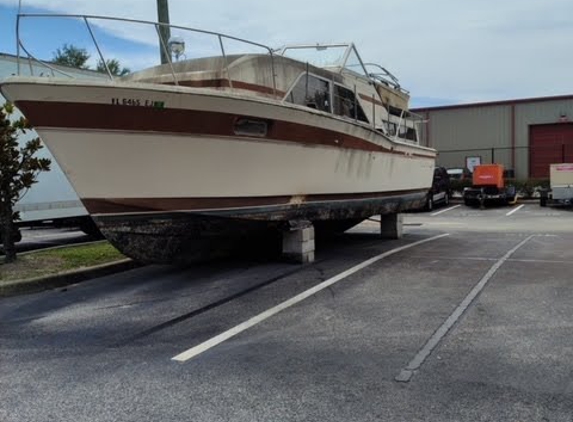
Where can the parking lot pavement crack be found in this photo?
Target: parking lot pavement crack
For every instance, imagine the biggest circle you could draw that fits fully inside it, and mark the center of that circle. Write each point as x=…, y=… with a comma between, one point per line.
x=407, y=373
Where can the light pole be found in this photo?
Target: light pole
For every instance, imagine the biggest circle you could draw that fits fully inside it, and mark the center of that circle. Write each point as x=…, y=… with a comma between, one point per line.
x=164, y=30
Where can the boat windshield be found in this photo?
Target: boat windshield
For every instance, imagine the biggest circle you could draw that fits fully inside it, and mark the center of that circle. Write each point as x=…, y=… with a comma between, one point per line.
x=318, y=55
x=340, y=56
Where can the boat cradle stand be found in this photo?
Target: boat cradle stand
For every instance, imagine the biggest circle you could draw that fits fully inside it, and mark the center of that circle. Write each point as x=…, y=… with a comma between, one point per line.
x=391, y=226
x=298, y=242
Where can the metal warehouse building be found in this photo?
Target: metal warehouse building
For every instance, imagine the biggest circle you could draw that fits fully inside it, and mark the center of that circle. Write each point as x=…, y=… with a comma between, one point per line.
x=524, y=135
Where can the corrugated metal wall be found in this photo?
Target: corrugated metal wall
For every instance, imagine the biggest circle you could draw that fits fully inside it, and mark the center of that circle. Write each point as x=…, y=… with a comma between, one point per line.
x=485, y=126
x=469, y=129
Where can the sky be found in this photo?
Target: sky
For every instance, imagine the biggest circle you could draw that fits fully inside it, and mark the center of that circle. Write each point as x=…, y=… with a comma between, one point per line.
x=443, y=51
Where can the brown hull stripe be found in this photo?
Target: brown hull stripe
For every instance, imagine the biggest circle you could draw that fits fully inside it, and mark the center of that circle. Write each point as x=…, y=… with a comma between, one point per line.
x=51, y=114
x=134, y=205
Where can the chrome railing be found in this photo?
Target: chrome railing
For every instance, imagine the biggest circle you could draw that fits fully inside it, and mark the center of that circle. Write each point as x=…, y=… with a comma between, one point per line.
x=383, y=75
x=92, y=20
x=220, y=40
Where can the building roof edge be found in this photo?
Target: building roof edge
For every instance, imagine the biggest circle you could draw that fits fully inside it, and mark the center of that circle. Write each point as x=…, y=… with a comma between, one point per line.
x=493, y=103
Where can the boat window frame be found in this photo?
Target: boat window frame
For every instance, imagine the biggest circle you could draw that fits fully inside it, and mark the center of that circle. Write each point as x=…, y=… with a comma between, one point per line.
x=295, y=83
x=356, y=101
x=331, y=86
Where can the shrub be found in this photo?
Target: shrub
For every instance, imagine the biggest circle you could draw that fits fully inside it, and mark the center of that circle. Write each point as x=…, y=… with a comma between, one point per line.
x=528, y=188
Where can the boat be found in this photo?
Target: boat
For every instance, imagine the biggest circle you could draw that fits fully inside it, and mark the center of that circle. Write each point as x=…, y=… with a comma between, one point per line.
x=182, y=160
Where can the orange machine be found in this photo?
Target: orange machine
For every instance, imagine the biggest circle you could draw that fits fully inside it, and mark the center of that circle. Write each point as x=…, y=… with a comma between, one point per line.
x=489, y=175
x=488, y=185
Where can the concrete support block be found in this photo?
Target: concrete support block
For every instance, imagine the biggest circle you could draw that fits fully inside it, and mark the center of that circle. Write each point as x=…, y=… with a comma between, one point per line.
x=294, y=246
x=302, y=235
x=298, y=245
x=391, y=226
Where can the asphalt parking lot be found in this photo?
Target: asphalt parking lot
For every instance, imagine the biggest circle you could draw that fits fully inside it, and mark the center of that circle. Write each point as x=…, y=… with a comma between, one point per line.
x=469, y=317
x=522, y=217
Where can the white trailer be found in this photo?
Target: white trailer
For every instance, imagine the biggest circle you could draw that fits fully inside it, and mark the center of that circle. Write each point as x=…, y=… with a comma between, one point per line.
x=52, y=200
x=561, y=185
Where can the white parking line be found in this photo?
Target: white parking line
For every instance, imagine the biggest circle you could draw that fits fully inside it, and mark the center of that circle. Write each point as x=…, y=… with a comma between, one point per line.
x=203, y=347
x=406, y=374
x=446, y=210
x=515, y=210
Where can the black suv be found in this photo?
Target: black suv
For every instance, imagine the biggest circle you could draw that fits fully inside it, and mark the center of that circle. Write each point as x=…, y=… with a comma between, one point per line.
x=440, y=191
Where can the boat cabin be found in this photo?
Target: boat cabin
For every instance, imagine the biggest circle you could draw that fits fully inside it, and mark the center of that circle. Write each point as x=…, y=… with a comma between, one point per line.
x=329, y=78
x=325, y=78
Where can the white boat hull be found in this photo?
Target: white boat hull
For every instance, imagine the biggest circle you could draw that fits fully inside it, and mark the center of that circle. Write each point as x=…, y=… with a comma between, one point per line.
x=113, y=165
x=163, y=183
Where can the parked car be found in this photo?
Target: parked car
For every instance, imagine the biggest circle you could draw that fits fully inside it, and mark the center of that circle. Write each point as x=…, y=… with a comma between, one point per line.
x=440, y=192
x=459, y=173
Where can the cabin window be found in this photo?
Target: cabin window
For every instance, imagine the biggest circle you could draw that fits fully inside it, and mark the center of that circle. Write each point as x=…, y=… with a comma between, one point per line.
x=312, y=92
x=403, y=132
x=391, y=128
x=409, y=133
x=347, y=105
x=395, y=111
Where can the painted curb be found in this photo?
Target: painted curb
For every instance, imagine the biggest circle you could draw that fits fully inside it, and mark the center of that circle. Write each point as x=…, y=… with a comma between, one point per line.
x=38, y=284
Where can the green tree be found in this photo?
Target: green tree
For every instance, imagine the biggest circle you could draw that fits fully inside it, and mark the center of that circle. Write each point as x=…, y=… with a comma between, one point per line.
x=114, y=67
x=72, y=56
x=19, y=169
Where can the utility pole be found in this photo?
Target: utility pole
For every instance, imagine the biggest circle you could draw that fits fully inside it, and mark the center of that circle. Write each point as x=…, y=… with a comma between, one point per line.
x=164, y=31
x=18, y=36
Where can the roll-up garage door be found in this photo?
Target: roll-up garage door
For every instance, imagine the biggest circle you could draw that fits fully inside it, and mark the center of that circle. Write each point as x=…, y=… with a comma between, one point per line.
x=549, y=144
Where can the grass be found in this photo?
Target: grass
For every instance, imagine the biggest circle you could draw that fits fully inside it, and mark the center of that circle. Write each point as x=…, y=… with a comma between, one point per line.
x=55, y=261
